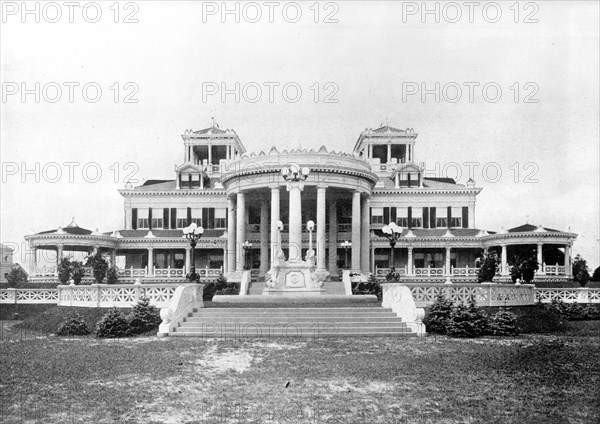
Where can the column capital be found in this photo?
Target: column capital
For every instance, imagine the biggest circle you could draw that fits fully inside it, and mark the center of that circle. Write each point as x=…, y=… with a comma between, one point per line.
x=410, y=248
x=274, y=186
x=295, y=184
x=322, y=186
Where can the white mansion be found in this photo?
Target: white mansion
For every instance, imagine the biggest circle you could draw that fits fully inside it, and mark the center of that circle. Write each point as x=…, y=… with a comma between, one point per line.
x=248, y=210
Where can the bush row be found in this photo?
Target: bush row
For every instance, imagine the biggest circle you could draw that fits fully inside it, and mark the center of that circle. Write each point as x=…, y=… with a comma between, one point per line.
x=115, y=323
x=468, y=320
x=574, y=311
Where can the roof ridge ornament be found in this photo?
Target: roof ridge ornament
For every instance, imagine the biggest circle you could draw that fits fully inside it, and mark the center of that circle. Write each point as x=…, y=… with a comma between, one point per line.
x=539, y=229
x=150, y=234
x=410, y=233
x=72, y=224
x=448, y=233
x=60, y=230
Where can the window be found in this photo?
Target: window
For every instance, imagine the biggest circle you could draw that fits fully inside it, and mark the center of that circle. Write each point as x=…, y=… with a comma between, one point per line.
x=456, y=220
x=402, y=217
x=377, y=216
x=181, y=214
x=417, y=217
x=197, y=216
x=157, y=223
x=220, y=217
x=441, y=214
x=143, y=222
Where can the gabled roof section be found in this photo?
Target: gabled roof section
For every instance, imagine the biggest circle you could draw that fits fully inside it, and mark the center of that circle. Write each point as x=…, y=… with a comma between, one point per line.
x=190, y=167
x=72, y=228
x=210, y=130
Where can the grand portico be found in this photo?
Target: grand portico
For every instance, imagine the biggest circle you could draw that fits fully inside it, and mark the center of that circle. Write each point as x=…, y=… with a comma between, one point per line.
x=254, y=210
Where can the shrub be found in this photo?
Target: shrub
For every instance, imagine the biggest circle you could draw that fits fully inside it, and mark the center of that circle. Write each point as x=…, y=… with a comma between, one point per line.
x=16, y=276
x=99, y=266
x=580, y=270
x=437, y=318
x=112, y=325
x=77, y=272
x=144, y=317
x=112, y=275
x=488, y=268
x=503, y=323
x=596, y=275
x=467, y=321
x=64, y=270
x=219, y=286
x=368, y=287
x=591, y=312
x=73, y=325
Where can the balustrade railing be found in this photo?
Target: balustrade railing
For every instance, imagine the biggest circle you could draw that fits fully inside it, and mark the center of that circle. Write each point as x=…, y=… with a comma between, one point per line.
x=45, y=272
x=132, y=272
x=169, y=272
x=114, y=295
x=429, y=271
x=28, y=296
x=424, y=294
x=554, y=269
x=383, y=272
x=465, y=272
x=568, y=295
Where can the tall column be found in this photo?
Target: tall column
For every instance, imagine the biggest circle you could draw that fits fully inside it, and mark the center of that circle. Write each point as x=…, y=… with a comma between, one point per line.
x=150, y=262
x=295, y=221
x=540, y=258
x=230, y=235
x=389, y=152
x=188, y=256
x=370, y=151
x=568, y=267
x=241, y=230
x=411, y=267
x=264, y=238
x=321, y=239
x=274, y=218
x=356, y=230
x=59, y=254
x=33, y=261
x=448, y=270
x=503, y=266
x=365, y=236
x=209, y=155
x=113, y=257
x=333, y=269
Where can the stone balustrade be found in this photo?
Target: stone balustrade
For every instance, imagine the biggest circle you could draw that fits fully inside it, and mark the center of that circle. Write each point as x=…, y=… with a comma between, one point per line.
x=486, y=294
x=28, y=296
x=114, y=295
x=568, y=295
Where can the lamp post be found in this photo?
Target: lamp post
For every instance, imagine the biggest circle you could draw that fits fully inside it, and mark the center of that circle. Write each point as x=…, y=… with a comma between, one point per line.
x=310, y=226
x=246, y=246
x=346, y=246
x=392, y=233
x=193, y=234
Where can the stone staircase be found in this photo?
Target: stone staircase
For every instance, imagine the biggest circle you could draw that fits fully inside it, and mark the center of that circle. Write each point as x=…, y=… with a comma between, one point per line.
x=310, y=320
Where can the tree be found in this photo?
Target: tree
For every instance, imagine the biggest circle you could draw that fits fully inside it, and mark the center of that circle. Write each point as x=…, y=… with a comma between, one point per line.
x=580, y=270
x=437, y=318
x=488, y=268
x=16, y=276
x=64, y=270
x=596, y=275
x=144, y=317
x=112, y=275
x=77, y=272
x=99, y=266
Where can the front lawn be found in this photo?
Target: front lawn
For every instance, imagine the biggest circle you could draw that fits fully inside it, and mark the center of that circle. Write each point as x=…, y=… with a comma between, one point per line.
x=526, y=379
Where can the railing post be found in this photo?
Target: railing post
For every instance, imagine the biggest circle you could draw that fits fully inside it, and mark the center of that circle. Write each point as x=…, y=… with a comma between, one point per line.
x=582, y=295
x=138, y=289
x=98, y=295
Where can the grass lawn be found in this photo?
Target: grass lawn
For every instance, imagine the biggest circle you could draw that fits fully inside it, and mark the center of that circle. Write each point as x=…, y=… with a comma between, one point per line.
x=527, y=379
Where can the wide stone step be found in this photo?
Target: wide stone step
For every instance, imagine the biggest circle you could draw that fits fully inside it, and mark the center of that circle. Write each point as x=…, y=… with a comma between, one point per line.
x=291, y=332
x=295, y=319
x=293, y=323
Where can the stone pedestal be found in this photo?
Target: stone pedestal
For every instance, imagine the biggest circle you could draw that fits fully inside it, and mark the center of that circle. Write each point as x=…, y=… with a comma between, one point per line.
x=293, y=279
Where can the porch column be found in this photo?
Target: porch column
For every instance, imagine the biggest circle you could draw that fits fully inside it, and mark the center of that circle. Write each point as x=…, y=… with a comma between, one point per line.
x=540, y=258
x=365, y=236
x=32, y=259
x=389, y=152
x=274, y=218
x=241, y=230
x=59, y=254
x=295, y=221
x=568, y=266
x=411, y=267
x=333, y=269
x=188, y=255
x=113, y=257
x=209, y=155
x=503, y=267
x=321, y=240
x=150, y=262
x=448, y=270
x=370, y=151
x=264, y=238
x=230, y=257
x=356, y=231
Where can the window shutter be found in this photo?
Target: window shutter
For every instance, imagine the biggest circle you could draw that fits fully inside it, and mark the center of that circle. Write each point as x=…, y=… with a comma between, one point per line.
x=410, y=217
x=409, y=179
x=166, y=218
x=205, y=218
x=465, y=217
x=393, y=215
x=173, y=218
x=150, y=218
x=134, y=219
x=425, y=217
x=432, y=223
x=386, y=216
x=211, y=218
x=449, y=215
x=189, y=216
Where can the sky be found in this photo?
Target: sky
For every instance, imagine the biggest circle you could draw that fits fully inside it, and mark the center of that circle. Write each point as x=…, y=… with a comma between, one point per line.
x=95, y=95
